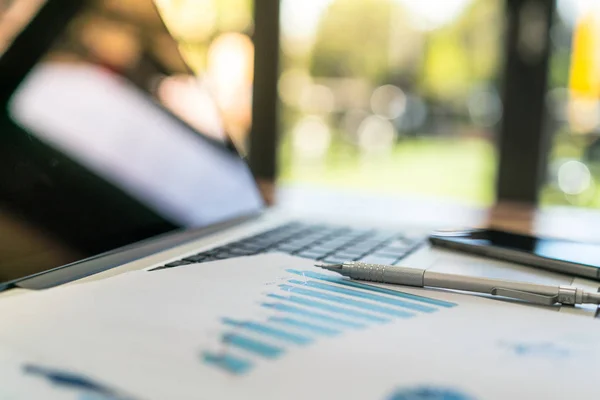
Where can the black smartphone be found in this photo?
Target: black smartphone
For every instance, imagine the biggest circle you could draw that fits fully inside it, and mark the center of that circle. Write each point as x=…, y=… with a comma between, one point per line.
x=558, y=255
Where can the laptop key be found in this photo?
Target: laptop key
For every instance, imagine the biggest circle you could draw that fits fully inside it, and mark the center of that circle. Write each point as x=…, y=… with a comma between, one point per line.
x=346, y=256
x=320, y=249
x=373, y=259
x=370, y=243
x=273, y=250
x=250, y=247
x=334, y=260
x=223, y=256
x=353, y=251
x=311, y=254
x=333, y=244
x=328, y=247
x=287, y=247
x=240, y=251
x=389, y=253
x=395, y=249
x=195, y=258
x=403, y=242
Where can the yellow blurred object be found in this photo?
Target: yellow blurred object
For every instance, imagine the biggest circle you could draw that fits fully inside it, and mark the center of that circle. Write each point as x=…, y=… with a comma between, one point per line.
x=584, y=78
x=189, y=20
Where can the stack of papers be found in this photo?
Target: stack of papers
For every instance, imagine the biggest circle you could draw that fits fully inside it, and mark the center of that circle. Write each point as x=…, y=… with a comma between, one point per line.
x=274, y=327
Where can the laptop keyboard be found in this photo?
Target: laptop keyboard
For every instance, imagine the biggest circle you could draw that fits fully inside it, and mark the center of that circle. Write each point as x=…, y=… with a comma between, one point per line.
x=326, y=243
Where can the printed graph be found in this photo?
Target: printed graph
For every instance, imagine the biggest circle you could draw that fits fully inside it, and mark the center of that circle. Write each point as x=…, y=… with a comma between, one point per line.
x=546, y=350
x=428, y=393
x=307, y=307
x=86, y=388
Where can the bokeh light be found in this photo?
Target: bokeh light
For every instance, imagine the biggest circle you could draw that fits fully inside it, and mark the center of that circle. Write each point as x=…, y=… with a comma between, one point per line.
x=235, y=15
x=485, y=107
x=376, y=135
x=190, y=100
x=351, y=123
x=189, y=20
x=317, y=99
x=388, y=101
x=433, y=14
x=230, y=66
x=574, y=177
x=311, y=137
x=584, y=115
x=291, y=84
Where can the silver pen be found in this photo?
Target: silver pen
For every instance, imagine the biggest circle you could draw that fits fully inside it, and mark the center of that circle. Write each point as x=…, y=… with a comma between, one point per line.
x=534, y=293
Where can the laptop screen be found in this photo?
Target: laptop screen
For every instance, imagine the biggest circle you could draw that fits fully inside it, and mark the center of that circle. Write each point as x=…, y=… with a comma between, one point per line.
x=92, y=155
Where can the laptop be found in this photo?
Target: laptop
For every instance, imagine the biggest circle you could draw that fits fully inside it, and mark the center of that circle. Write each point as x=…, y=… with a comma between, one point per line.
x=103, y=165
x=113, y=158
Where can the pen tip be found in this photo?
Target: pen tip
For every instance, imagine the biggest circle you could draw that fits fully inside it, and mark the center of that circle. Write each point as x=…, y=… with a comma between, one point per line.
x=331, y=267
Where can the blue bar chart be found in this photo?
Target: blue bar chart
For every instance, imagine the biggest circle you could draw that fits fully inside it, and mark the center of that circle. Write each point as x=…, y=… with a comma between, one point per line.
x=537, y=349
x=85, y=387
x=429, y=393
x=308, y=307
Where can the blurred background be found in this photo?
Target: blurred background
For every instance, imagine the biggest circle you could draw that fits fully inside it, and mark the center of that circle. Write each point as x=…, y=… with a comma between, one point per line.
x=402, y=96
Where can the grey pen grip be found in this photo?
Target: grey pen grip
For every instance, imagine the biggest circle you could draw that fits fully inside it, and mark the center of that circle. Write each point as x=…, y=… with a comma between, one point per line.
x=386, y=274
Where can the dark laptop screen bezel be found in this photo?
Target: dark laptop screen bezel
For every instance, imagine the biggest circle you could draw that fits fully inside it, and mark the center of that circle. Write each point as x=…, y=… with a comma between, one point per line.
x=27, y=49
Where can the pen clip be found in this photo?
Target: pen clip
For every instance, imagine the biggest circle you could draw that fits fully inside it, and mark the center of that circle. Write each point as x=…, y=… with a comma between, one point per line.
x=526, y=296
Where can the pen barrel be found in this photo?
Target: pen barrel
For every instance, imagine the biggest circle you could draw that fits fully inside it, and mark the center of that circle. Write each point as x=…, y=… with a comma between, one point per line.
x=386, y=274
x=483, y=285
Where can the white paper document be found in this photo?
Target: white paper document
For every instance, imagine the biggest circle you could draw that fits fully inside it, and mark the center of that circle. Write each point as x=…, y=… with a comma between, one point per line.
x=275, y=327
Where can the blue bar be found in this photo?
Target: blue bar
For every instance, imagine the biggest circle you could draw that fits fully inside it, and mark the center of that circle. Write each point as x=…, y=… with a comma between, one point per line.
x=252, y=345
x=349, y=302
x=227, y=362
x=96, y=396
x=321, y=330
x=346, y=282
x=267, y=330
x=72, y=380
x=311, y=314
x=364, y=295
x=331, y=308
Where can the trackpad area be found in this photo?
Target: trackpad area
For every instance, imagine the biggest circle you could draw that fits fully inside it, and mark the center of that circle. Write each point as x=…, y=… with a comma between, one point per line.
x=463, y=264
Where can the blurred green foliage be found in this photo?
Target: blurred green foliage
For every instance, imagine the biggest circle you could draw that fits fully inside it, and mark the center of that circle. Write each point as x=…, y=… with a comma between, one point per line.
x=458, y=169
x=377, y=41
x=353, y=40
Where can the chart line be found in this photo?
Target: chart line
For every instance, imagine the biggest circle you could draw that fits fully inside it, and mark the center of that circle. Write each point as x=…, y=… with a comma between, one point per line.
x=365, y=295
x=320, y=330
x=331, y=308
x=229, y=363
x=350, y=302
x=269, y=331
x=340, y=280
x=253, y=345
x=313, y=315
